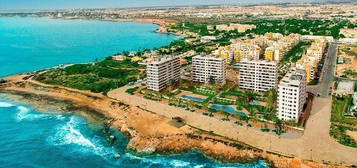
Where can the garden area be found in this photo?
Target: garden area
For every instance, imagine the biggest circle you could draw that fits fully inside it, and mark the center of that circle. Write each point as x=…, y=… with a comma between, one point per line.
x=340, y=133
x=227, y=103
x=343, y=127
x=340, y=107
x=98, y=77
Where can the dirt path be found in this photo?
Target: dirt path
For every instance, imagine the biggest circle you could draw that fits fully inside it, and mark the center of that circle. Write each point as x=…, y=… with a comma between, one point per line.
x=353, y=134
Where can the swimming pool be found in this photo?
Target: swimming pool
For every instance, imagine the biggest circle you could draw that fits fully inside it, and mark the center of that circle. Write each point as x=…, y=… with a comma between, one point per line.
x=255, y=102
x=227, y=109
x=193, y=98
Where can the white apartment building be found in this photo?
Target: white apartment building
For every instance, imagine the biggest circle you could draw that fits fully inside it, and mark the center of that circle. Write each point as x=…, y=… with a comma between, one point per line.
x=161, y=71
x=205, y=68
x=258, y=75
x=292, y=95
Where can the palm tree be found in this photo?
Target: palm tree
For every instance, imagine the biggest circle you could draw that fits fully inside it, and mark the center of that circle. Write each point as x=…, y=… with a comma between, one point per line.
x=190, y=104
x=211, y=80
x=279, y=126
x=171, y=84
x=271, y=97
x=227, y=116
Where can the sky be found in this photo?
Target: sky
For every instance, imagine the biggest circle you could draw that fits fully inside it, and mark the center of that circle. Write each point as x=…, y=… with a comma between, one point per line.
x=70, y=4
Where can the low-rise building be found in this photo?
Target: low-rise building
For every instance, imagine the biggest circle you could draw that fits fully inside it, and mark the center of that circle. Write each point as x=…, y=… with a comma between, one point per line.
x=258, y=75
x=345, y=88
x=243, y=50
x=310, y=60
x=207, y=68
x=234, y=26
x=161, y=72
x=226, y=53
x=272, y=54
x=292, y=95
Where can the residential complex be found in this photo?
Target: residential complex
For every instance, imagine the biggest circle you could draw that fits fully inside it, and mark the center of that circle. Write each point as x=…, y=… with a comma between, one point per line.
x=278, y=45
x=245, y=50
x=206, y=68
x=233, y=26
x=258, y=75
x=310, y=61
x=226, y=53
x=292, y=95
x=271, y=46
x=161, y=72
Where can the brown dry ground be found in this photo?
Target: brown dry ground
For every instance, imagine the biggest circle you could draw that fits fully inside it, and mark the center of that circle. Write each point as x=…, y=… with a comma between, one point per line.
x=341, y=68
x=352, y=134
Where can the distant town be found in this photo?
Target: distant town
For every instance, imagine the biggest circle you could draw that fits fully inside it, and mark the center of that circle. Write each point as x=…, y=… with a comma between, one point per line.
x=270, y=69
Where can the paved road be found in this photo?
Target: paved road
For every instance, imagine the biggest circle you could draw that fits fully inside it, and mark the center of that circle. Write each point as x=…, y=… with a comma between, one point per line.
x=327, y=73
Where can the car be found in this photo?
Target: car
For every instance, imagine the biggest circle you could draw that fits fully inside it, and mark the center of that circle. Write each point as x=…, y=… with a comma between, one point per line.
x=131, y=83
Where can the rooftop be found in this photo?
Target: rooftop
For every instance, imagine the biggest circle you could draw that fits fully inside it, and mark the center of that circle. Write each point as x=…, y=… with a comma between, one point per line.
x=346, y=85
x=293, y=78
x=162, y=59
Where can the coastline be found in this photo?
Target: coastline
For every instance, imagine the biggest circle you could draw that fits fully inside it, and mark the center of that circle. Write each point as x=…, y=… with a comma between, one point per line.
x=161, y=22
x=150, y=134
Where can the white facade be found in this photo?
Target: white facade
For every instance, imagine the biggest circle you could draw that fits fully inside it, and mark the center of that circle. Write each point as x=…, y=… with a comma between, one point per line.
x=206, y=67
x=292, y=95
x=161, y=72
x=258, y=75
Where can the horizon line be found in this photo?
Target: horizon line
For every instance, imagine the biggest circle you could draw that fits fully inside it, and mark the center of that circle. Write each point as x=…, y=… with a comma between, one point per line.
x=177, y=6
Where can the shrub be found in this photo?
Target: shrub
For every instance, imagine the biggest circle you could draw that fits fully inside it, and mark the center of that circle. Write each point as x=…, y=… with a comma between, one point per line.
x=132, y=90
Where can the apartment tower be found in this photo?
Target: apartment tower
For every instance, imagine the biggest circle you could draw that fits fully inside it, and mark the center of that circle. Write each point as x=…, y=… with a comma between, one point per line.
x=206, y=68
x=258, y=75
x=161, y=72
x=292, y=95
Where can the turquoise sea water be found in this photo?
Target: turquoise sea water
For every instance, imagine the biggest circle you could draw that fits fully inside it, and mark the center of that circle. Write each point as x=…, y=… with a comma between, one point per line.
x=32, y=139
x=28, y=44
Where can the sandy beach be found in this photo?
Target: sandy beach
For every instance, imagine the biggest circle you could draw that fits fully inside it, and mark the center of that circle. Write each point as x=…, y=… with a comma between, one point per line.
x=150, y=133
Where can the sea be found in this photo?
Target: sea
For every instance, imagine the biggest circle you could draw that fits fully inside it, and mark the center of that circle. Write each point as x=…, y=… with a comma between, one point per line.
x=43, y=139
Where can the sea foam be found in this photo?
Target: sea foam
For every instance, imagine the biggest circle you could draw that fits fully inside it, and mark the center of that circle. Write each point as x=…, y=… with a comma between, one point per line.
x=179, y=163
x=71, y=134
x=6, y=104
x=23, y=113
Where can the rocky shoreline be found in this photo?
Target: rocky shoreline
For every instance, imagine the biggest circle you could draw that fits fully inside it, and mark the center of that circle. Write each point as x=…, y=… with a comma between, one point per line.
x=149, y=133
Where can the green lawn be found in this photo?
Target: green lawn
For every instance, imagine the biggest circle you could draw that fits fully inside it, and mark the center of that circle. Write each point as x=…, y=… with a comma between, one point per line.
x=99, y=77
x=339, y=108
x=339, y=133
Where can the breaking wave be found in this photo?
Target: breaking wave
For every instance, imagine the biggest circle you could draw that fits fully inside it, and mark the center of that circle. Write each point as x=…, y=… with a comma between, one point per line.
x=71, y=134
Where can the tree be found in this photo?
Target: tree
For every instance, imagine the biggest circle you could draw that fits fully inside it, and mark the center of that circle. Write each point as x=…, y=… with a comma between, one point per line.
x=279, y=126
x=211, y=80
x=171, y=85
x=271, y=97
x=227, y=115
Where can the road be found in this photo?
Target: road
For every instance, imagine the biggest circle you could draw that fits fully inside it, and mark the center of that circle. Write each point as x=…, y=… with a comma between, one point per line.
x=327, y=73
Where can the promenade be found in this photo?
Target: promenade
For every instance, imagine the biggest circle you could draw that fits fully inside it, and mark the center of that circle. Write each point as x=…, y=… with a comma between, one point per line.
x=315, y=144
